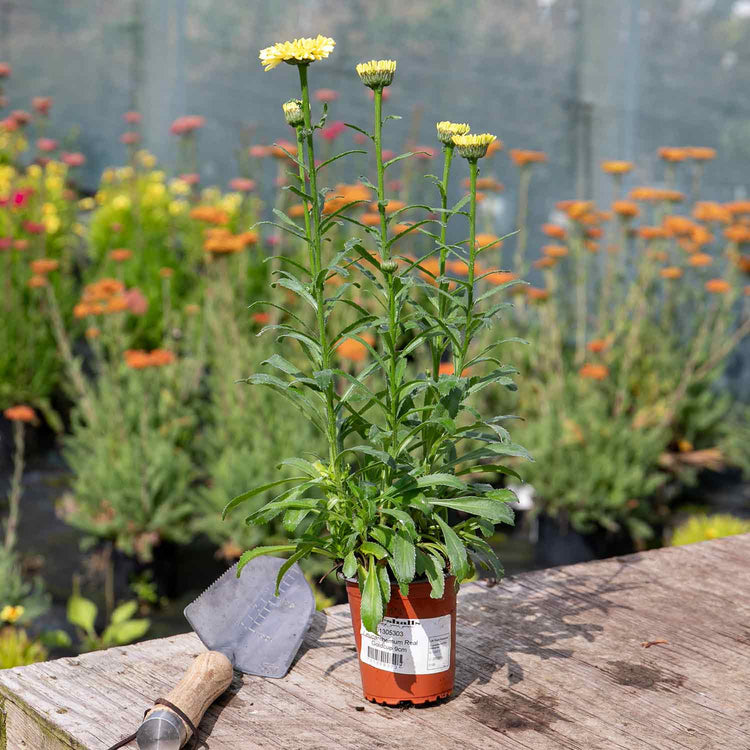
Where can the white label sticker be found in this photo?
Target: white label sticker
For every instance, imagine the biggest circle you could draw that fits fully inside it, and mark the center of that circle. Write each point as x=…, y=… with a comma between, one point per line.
x=409, y=646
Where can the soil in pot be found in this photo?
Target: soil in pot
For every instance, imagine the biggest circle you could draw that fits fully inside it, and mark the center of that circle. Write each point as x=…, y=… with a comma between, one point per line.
x=412, y=659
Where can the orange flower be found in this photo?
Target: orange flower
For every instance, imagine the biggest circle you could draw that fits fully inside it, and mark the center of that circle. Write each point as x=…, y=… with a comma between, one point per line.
x=687, y=245
x=738, y=207
x=591, y=246
x=678, y=226
x=392, y=207
x=522, y=157
x=353, y=350
x=483, y=239
x=554, y=231
x=743, y=263
x=161, y=357
x=120, y=255
x=658, y=255
x=555, y=251
x=653, y=194
x=700, y=153
x=490, y=184
x=116, y=304
x=429, y=269
x=701, y=236
x=192, y=309
x=617, y=167
x=537, y=295
x=545, y=262
x=371, y=220
x=737, y=233
x=494, y=147
x=20, y=413
x=261, y=318
x=700, y=260
x=594, y=372
x=166, y=272
x=209, y=214
x=597, y=345
x=673, y=153
x=279, y=149
x=578, y=209
x=711, y=211
x=653, y=233
x=594, y=232
x=718, y=286
x=671, y=272
x=501, y=277
x=37, y=281
x=138, y=359
x=447, y=368
x=626, y=209
x=92, y=332
x=296, y=210
x=44, y=266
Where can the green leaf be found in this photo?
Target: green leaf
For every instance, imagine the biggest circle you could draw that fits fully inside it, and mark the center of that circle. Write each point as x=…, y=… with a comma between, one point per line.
x=82, y=613
x=122, y=633
x=124, y=612
x=401, y=516
x=372, y=548
x=441, y=480
x=257, y=491
x=298, y=555
x=403, y=558
x=432, y=567
x=385, y=582
x=496, y=510
x=371, y=609
x=350, y=565
x=456, y=550
x=272, y=549
x=55, y=639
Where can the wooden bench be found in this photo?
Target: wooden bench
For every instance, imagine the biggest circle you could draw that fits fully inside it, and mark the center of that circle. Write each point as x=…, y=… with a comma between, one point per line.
x=549, y=660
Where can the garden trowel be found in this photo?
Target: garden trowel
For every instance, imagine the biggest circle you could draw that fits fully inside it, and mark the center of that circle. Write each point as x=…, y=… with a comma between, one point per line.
x=245, y=627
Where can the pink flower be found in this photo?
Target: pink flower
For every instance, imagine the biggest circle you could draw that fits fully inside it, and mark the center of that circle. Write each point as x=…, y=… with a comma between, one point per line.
x=42, y=104
x=73, y=159
x=5, y=70
x=132, y=117
x=388, y=154
x=242, y=184
x=386, y=94
x=137, y=302
x=21, y=116
x=187, y=124
x=259, y=152
x=333, y=131
x=130, y=138
x=9, y=124
x=424, y=152
x=21, y=196
x=272, y=241
x=47, y=145
x=115, y=226
x=360, y=138
x=33, y=227
x=326, y=95
x=191, y=178
x=395, y=185
x=6, y=243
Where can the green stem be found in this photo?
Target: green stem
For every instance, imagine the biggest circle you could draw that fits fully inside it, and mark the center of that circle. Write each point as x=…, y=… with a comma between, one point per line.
x=521, y=221
x=473, y=170
x=318, y=280
x=439, y=342
x=390, y=278
x=15, y=487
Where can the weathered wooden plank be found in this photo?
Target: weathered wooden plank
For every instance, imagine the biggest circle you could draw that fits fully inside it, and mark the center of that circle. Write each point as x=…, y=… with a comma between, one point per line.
x=546, y=660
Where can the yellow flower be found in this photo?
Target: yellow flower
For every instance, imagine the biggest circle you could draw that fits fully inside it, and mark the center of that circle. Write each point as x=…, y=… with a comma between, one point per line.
x=108, y=175
x=298, y=52
x=231, y=202
x=55, y=168
x=377, y=73
x=124, y=173
x=155, y=191
x=49, y=208
x=179, y=187
x=293, y=113
x=447, y=129
x=54, y=184
x=146, y=159
x=79, y=229
x=157, y=175
x=11, y=614
x=178, y=207
x=7, y=172
x=87, y=204
x=473, y=146
x=121, y=202
x=34, y=170
x=51, y=223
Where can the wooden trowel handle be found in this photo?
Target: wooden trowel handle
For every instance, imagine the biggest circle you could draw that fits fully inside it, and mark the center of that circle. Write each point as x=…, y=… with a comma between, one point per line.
x=206, y=679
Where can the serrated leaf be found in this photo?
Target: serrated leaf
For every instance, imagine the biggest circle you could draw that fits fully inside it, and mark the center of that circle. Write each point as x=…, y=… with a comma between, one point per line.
x=373, y=548
x=495, y=510
x=257, y=491
x=455, y=549
x=271, y=549
x=371, y=609
x=350, y=565
x=403, y=557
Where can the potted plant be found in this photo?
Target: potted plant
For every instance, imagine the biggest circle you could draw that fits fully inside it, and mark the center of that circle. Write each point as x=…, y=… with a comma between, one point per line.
x=397, y=504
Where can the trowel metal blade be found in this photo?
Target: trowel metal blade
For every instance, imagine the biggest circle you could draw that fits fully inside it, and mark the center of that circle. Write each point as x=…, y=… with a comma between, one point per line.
x=259, y=632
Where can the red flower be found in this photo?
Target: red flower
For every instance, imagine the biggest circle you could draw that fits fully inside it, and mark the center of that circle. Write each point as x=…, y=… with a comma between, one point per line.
x=387, y=153
x=42, y=104
x=242, y=184
x=261, y=318
x=130, y=138
x=21, y=116
x=259, y=152
x=326, y=95
x=73, y=159
x=187, y=124
x=6, y=243
x=47, y=145
x=333, y=131
x=360, y=138
x=34, y=227
x=21, y=196
x=5, y=70
x=132, y=117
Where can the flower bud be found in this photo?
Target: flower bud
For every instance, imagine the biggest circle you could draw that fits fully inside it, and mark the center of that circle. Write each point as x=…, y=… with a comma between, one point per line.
x=293, y=113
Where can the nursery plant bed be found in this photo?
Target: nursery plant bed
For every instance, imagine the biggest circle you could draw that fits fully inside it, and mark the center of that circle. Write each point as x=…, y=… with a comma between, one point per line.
x=552, y=659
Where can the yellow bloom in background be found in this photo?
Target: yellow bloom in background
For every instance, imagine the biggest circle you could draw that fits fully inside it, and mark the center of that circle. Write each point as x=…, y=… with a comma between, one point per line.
x=231, y=202
x=473, y=146
x=108, y=175
x=34, y=170
x=54, y=183
x=158, y=175
x=447, y=129
x=377, y=73
x=79, y=229
x=176, y=208
x=155, y=190
x=210, y=195
x=124, y=173
x=121, y=203
x=11, y=614
x=179, y=187
x=55, y=168
x=298, y=52
x=49, y=208
x=51, y=223
x=146, y=158
x=87, y=204
x=7, y=172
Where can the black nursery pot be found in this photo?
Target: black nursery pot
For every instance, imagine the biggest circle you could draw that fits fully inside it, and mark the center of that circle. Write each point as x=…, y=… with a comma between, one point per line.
x=558, y=543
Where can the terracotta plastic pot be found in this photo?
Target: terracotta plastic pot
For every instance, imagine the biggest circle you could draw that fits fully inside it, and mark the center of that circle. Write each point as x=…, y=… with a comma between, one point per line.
x=412, y=659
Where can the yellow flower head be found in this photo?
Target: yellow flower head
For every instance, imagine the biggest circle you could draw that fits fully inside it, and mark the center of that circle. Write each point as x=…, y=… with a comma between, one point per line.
x=179, y=187
x=87, y=204
x=11, y=614
x=447, y=129
x=146, y=159
x=377, y=74
x=121, y=202
x=34, y=170
x=473, y=146
x=299, y=52
x=293, y=113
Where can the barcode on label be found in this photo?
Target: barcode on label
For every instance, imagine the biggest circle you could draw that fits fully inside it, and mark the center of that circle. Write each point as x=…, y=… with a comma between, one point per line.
x=385, y=657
